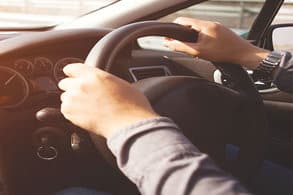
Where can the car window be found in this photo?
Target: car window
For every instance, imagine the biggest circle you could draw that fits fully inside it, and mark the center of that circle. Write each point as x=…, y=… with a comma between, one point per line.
x=285, y=15
x=238, y=15
x=281, y=37
x=40, y=13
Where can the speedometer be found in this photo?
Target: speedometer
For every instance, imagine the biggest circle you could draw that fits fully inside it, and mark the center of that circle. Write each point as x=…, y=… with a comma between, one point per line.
x=43, y=65
x=24, y=66
x=58, y=69
x=14, y=88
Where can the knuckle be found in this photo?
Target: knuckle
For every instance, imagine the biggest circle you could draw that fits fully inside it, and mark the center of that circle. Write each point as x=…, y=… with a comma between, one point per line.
x=63, y=97
x=65, y=108
x=84, y=83
x=102, y=76
x=94, y=76
x=107, y=77
x=67, y=99
x=214, y=26
x=180, y=18
x=61, y=84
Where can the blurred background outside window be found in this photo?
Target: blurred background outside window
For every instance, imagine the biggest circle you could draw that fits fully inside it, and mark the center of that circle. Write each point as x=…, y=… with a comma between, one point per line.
x=238, y=15
x=33, y=13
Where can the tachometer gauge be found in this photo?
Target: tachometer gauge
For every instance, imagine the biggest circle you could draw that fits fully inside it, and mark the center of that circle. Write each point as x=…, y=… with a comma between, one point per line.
x=14, y=88
x=24, y=66
x=58, y=69
x=43, y=65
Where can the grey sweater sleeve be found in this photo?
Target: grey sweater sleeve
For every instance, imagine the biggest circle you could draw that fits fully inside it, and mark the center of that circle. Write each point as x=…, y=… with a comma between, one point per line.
x=160, y=160
x=283, y=77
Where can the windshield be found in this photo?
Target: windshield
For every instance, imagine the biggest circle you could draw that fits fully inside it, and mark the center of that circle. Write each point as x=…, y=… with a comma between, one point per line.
x=40, y=13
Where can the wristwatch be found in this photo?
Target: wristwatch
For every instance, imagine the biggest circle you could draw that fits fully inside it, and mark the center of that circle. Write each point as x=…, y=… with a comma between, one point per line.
x=264, y=72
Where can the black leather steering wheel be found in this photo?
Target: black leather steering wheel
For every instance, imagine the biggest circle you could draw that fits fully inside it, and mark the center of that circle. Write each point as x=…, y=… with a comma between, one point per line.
x=212, y=115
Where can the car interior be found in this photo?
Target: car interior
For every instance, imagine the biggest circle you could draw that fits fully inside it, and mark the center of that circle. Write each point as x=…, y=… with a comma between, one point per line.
x=244, y=125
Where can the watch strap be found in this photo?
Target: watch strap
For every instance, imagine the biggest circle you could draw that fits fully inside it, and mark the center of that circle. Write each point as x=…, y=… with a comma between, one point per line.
x=264, y=71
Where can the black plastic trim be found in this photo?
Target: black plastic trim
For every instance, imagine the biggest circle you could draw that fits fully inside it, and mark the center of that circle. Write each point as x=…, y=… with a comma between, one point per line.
x=264, y=19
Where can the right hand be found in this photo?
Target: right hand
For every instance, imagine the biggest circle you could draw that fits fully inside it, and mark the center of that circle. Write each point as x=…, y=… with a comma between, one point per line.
x=217, y=43
x=100, y=102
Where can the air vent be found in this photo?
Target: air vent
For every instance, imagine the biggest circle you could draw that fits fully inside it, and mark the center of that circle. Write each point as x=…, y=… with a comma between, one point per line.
x=139, y=73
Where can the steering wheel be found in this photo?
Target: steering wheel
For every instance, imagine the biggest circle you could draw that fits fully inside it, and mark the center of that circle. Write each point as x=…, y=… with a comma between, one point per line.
x=212, y=116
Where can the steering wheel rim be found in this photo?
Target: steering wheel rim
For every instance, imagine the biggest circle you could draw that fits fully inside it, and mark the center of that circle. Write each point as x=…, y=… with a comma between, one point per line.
x=107, y=49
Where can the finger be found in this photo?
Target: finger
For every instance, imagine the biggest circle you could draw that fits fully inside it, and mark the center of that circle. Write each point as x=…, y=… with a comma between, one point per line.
x=189, y=48
x=67, y=83
x=168, y=44
x=63, y=96
x=64, y=108
x=76, y=70
x=171, y=44
x=68, y=100
x=69, y=96
x=168, y=39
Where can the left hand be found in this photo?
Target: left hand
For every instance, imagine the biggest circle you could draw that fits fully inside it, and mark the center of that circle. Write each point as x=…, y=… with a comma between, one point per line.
x=100, y=102
x=217, y=43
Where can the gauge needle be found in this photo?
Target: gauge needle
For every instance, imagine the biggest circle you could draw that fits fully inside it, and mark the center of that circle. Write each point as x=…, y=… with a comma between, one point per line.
x=10, y=79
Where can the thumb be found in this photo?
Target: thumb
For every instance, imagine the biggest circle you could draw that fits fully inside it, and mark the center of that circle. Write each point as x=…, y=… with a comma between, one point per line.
x=190, y=22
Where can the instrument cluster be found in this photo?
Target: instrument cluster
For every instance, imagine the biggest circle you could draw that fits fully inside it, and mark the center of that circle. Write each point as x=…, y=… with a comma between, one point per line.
x=24, y=75
x=43, y=66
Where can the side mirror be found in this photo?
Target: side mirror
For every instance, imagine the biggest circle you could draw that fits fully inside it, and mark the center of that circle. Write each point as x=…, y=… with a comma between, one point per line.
x=280, y=37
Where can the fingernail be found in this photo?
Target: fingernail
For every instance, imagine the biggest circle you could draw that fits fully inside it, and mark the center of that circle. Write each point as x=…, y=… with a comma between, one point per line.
x=168, y=39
